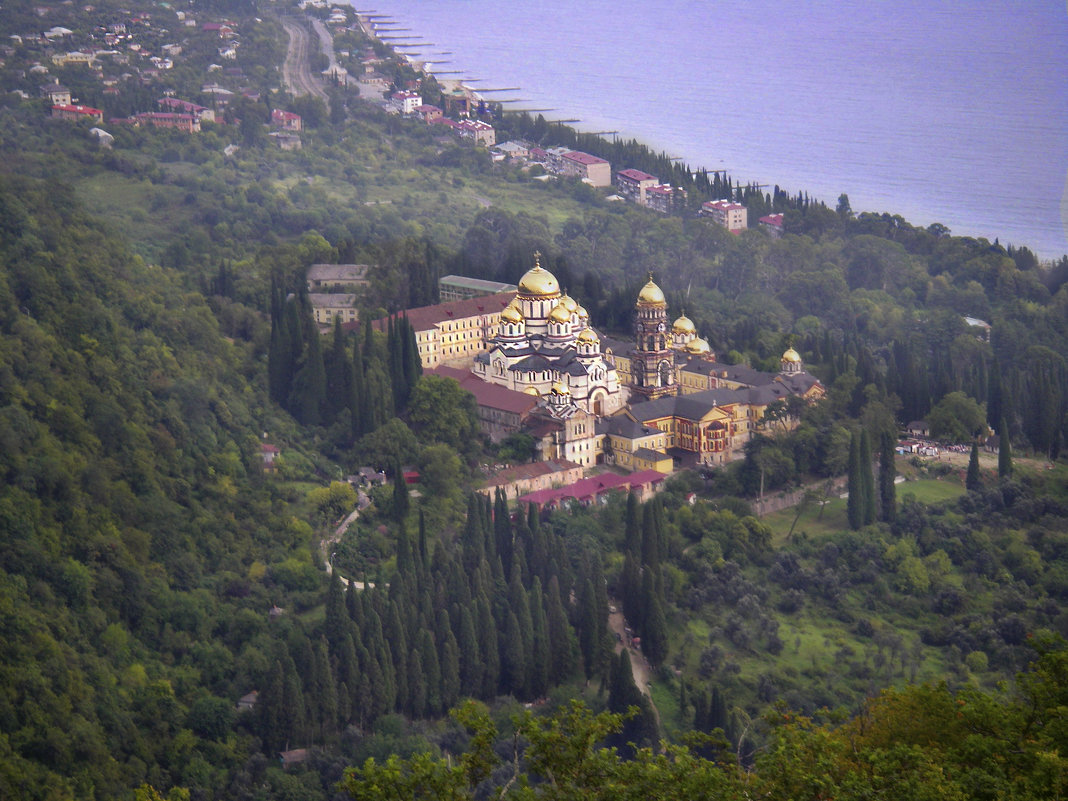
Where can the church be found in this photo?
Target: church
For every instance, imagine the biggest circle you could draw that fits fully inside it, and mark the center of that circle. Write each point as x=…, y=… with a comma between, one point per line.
x=545, y=347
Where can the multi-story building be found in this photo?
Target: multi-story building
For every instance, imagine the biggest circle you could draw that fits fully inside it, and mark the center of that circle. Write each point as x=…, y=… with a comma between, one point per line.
x=407, y=102
x=337, y=277
x=165, y=119
x=632, y=184
x=665, y=198
x=576, y=164
x=454, y=333
x=173, y=104
x=460, y=287
x=330, y=306
x=77, y=113
x=730, y=214
x=286, y=120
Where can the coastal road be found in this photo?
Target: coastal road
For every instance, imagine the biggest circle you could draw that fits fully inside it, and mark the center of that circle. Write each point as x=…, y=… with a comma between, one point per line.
x=296, y=70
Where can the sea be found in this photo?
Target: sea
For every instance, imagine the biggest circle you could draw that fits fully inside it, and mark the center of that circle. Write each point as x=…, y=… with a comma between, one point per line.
x=947, y=112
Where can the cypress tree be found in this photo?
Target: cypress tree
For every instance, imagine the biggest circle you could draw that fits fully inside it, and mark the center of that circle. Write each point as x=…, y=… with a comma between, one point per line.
x=487, y=643
x=1004, y=450
x=972, y=481
x=324, y=692
x=539, y=645
x=448, y=661
x=887, y=474
x=428, y=652
x=563, y=657
x=416, y=706
x=855, y=504
x=654, y=628
x=471, y=668
x=513, y=659
x=632, y=537
x=589, y=630
x=307, y=397
x=867, y=478
x=650, y=539
x=337, y=622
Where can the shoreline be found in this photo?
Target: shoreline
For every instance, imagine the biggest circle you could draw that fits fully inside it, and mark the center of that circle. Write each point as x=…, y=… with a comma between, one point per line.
x=923, y=192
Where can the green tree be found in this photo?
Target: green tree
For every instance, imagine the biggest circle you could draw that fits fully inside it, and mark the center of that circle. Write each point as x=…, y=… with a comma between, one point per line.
x=867, y=478
x=972, y=480
x=1004, y=450
x=855, y=503
x=887, y=474
x=440, y=411
x=957, y=418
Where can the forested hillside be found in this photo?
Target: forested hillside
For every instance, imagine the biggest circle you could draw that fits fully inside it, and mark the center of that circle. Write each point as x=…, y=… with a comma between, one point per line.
x=155, y=333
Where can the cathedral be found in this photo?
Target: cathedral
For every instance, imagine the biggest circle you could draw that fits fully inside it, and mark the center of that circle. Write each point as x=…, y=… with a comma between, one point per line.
x=545, y=347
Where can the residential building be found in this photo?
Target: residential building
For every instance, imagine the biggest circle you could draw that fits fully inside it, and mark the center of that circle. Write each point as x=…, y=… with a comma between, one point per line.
x=331, y=306
x=173, y=104
x=428, y=113
x=481, y=132
x=286, y=140
x=460, y=287
x=77, y=113
x=286, y=120
x=730, y=214
x=454, y=333
x=406, y=102
x=589, y=168
x=165, y=119
x=665, y=198
x=631, y=184
x=772, y=223
x=337, y=277
x=59, y=95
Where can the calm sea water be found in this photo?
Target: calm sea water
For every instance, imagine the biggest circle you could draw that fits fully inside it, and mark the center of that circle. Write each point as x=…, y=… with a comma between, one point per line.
x=942, y=112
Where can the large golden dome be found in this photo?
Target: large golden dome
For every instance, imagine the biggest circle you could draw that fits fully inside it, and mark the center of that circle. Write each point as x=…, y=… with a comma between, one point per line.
x=569, y=303
x=651, y=294
x=539, y=283
x=698, y=347
x=560, y=389
x=589, y=335
x=684, y=325
x=582, y=313
x=791, y=355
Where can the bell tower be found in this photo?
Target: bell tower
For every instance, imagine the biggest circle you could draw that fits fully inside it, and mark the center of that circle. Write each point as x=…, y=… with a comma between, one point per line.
x=653, y=362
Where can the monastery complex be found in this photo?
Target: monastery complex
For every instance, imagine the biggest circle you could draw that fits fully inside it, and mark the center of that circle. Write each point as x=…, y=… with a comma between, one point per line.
x=659, y=401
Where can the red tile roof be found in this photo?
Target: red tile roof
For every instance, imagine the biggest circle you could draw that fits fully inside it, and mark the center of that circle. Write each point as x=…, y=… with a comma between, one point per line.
x=636, y=175
x=583, y=158
x=425, y=318
x=492, y=396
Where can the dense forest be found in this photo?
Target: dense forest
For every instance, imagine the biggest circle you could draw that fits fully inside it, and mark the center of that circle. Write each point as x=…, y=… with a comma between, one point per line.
x=155, y=335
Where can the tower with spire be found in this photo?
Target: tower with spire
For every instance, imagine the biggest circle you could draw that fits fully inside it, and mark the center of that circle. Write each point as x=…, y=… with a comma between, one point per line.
x=653, y=361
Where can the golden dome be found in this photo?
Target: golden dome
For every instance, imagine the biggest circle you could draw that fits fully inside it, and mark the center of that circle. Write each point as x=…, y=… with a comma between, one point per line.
x=568, y=302
x=560, y=314
x=511, y=314
x=651, y=294
x=532, y=391
x=539, y=283
x=589, y=335
x=684, y=325
x=582, y=313
x=698, y=346
x=560, y=389
x=791, y=355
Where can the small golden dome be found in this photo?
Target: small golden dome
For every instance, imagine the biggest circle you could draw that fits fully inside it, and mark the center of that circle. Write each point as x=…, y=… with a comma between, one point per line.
x=651, y=294
x=560, y=389
x=567, y=301
x=791, y=355
x=532, y=391
x=538, y=283
x=590, y=336
x=560, y=314
x=684, y=325
x=511, y=314
x=698, y=346
x=582, y=313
